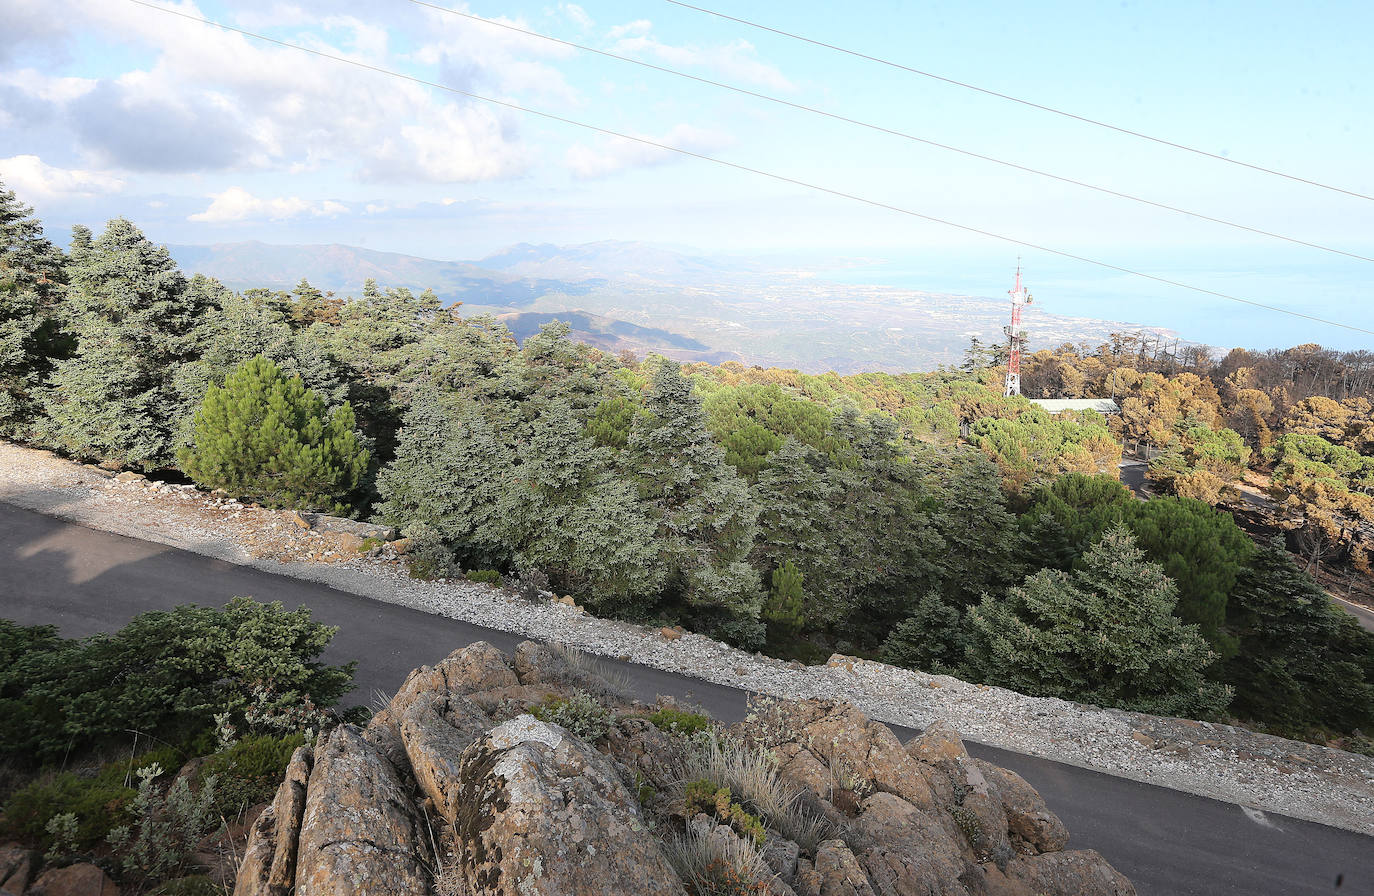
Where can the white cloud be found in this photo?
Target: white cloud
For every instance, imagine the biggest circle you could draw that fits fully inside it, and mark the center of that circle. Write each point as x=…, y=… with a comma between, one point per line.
x=576, y=14
x=613, y=154
x=237, y=204
x=215, y=100
x=637, y=28
x=736, y=59
x=32, y=178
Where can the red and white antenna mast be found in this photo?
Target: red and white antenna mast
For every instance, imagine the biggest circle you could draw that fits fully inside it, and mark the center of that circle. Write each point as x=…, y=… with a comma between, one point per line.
x=1016, y=337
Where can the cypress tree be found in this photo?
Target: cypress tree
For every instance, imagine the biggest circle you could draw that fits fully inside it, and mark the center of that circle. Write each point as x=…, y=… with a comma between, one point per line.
x=265, y=436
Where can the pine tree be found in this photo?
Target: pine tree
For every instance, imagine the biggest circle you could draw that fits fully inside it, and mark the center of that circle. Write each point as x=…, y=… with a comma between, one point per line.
x=135, y=323
x=32, y=274
x=705, y=518
x=1103, y=634
x=265, y=436
x=785, y=610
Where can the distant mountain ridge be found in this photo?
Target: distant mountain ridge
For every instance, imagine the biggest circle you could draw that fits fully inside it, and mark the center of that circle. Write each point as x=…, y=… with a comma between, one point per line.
x=621, y=295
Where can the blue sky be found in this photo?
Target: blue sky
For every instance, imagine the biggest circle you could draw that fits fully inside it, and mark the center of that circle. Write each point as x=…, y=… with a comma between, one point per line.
x=108, y=108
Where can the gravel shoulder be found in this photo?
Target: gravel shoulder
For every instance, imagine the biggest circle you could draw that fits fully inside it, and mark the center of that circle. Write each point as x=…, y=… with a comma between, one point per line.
x=1220, y=761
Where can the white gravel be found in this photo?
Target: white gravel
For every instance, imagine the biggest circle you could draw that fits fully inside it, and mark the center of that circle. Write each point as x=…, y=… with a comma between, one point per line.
x=1231, y=764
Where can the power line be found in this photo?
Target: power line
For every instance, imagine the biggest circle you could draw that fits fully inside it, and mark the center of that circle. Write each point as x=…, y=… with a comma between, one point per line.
x=782, y=178
x=1014, y=99
x=895, y=133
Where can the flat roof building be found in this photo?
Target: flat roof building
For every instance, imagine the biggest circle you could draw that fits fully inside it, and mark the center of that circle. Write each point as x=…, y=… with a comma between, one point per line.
x=1105, y=406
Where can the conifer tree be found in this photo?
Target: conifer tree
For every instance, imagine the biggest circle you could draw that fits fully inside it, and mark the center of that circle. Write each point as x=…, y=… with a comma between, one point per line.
x=577, y=519
x=32, y=274
x=450, y=476
x=705, y=518
x=1104, y=633
x=134, y=320
x=265, y=436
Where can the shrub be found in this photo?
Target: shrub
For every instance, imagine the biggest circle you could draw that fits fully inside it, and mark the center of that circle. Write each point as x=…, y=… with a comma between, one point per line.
x=483, y=576
x=96, y=805
x=165, y=674
x=751, y=774
x=580, y=714
x=710, y=865
x=265, y=436
x=704, y=797
x=679, y=721
x=168, y=825
x=527, y=583
x=249, y=771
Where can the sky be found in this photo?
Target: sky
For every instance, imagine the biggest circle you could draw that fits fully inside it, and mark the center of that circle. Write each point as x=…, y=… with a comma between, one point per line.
x=109, y=108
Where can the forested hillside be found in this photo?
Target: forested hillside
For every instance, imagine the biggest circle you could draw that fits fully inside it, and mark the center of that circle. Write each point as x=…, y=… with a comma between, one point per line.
x=923, y=518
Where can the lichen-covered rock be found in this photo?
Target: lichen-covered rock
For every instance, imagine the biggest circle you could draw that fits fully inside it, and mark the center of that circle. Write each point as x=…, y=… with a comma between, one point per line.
x=1030, y=822
x=844, y=742
x=836, y=872
x=435, y=732
x=1076, y=873
x=360, y=832
x=906, y=852
x=543, y=813
x=269, y=861
x=476, y=667
x=938, y=742
x=642, y=747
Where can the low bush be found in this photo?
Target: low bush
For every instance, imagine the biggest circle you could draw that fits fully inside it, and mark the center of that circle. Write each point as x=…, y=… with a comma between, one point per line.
x=166, y=674
x=679, y=721
x=705, y=797
x=483, y=576
x=581, y=714
x=249, y=771
x=710, y=865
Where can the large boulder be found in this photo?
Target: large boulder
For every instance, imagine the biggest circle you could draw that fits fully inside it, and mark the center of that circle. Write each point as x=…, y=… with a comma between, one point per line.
x=836, y=872
x=821, y=740
x=1033, y=827
x=74, y=880
x=269, y=861
x=16, y=868
x=476, y=667
x=435, y=732
x=543, y=813
x=360, y=831
x=1076, y=873
x=907, y=852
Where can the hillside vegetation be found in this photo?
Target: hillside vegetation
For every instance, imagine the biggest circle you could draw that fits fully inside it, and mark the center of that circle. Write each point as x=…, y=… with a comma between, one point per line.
x=794, y=513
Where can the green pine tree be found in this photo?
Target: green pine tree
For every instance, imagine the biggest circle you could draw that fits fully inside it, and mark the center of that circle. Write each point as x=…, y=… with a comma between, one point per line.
x=1103, y=634
x=265, y=436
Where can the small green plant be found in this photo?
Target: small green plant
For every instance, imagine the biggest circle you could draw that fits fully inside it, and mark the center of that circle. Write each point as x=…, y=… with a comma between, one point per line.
x=167, y=827
x=62, y=829
x=483, y=576
x=96, y=804
x=249, y=772
x=679, y=721
x=705, y=797
x=369, y=543
x=581, y=714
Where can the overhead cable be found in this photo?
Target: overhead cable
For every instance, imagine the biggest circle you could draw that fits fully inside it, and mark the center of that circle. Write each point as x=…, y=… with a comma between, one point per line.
x=895, y=133
x=738, y=167
x=1024, y=102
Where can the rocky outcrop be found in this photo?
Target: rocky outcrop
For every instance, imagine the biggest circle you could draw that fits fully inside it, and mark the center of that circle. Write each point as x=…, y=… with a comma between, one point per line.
x=74, y=880
x=473, y=780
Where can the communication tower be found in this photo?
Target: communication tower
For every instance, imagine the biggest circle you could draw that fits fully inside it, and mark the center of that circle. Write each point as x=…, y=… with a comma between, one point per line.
x=1016, y=336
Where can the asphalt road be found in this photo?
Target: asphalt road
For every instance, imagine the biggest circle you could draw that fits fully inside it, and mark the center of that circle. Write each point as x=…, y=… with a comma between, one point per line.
x=1165, y=841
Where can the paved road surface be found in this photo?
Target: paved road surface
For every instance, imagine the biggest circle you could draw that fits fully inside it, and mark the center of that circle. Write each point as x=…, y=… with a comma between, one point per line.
x=1167, y=842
